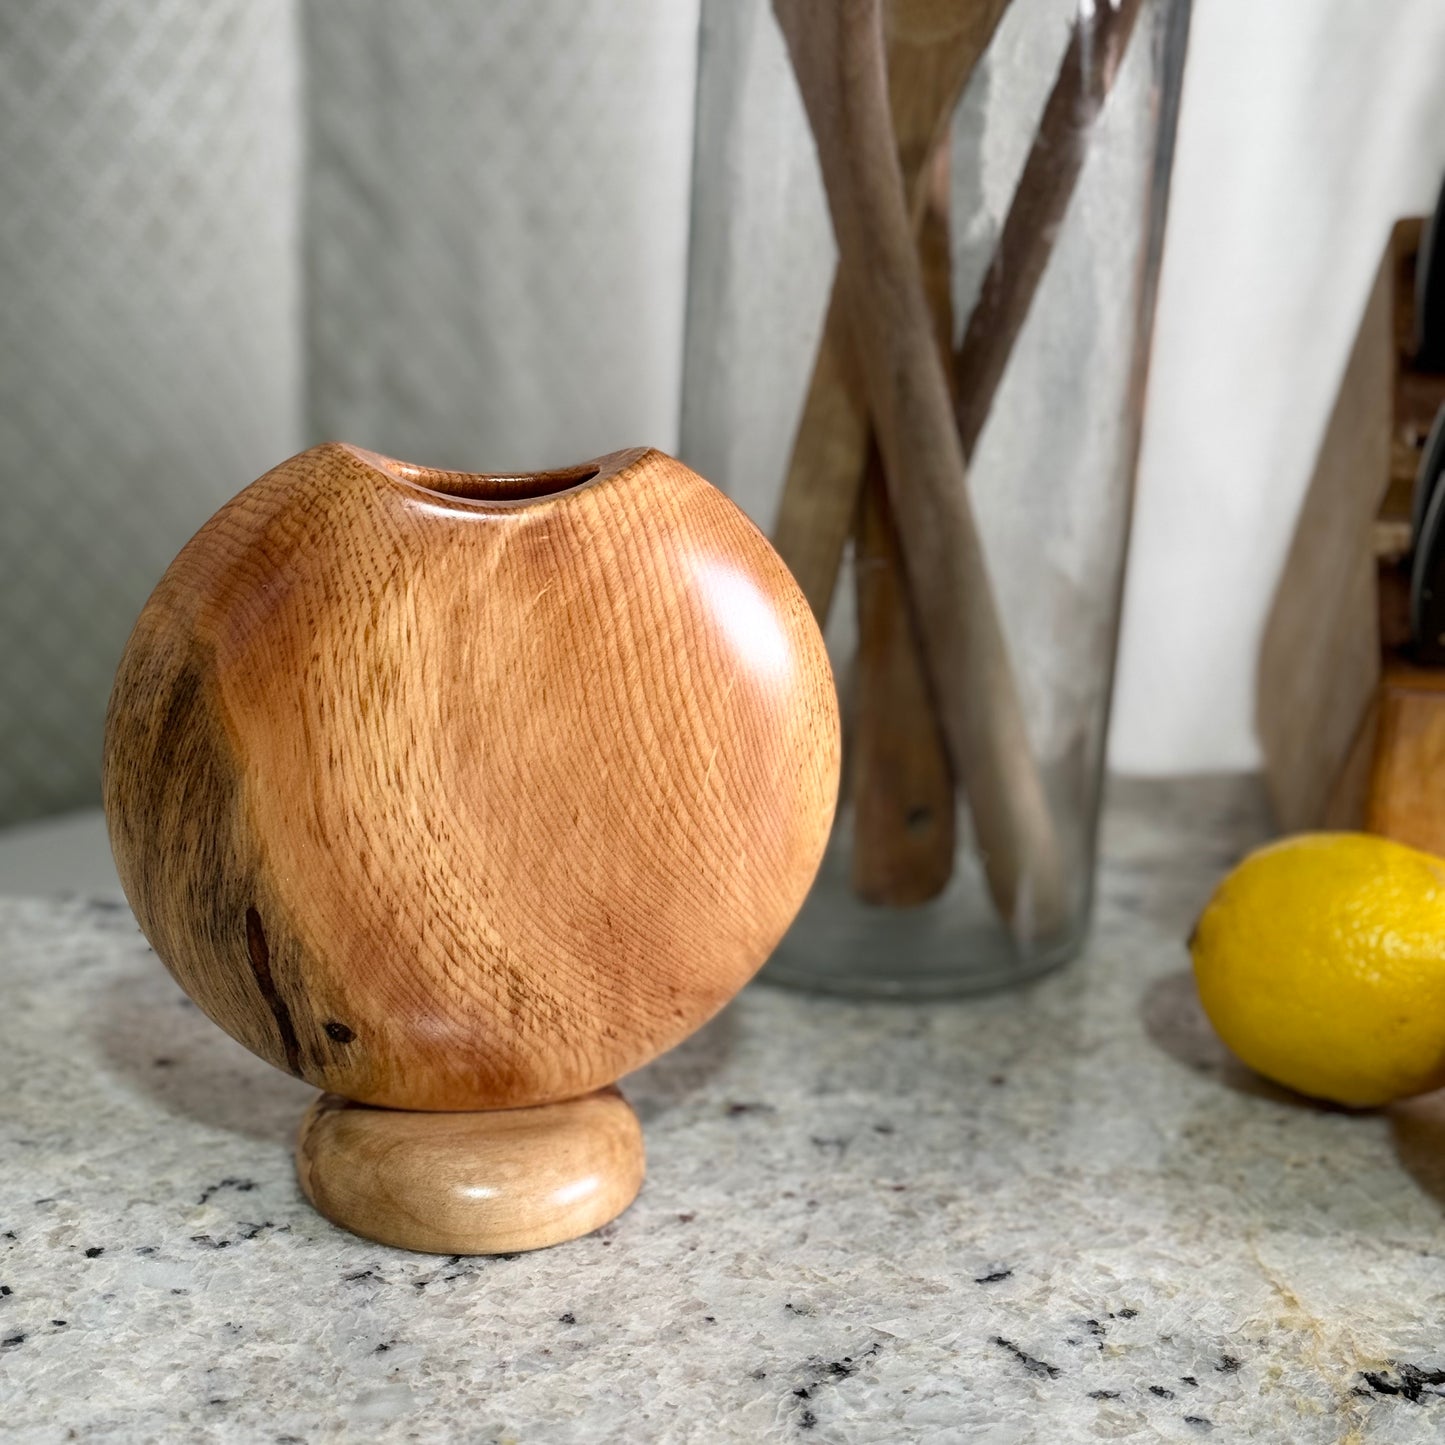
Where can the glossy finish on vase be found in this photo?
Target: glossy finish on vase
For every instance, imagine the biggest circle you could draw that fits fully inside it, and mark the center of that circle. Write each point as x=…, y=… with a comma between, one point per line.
x=448, y=792
x=451, y=792
x=438, y=1182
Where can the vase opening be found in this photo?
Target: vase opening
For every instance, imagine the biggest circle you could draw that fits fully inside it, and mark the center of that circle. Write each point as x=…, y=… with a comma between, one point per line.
x=477, y=487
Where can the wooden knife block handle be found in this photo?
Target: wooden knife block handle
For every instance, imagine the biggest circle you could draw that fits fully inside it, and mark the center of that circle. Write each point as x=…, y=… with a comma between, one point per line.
x=1353, y=731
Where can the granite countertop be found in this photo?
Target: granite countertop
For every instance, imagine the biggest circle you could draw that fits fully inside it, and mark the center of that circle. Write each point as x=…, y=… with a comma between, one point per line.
x=1060, y=1214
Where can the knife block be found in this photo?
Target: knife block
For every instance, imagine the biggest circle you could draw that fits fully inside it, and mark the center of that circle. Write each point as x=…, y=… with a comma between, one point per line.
x=460, y=797
x=1353, y=732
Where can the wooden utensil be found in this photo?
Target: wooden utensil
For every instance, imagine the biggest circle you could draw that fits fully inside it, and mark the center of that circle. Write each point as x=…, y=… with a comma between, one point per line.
x=932, y=49
x=818, y=503
x=837, y=54
x=449, y=792
x=904, y=811
x=902, y=780
x=1097, y=45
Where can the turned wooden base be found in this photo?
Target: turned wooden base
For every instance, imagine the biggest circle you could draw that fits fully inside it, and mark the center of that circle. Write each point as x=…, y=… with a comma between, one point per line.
x=491, y=1182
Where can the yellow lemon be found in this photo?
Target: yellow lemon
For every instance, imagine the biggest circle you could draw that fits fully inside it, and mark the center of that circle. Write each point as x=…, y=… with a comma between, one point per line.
x=1320, y=960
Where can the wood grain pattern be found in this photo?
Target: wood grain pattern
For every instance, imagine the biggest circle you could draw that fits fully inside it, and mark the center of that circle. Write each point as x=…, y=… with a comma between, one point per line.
x=1406, y=798
x=487, y=1183
x=1319, y=660
x=837, y=53
x=455, y=792
x=932, y=48
x=904, y=813
x=900, y=777
x=1041, y=199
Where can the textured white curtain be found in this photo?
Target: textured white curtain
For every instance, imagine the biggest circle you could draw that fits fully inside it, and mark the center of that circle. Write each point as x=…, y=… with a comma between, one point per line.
x=459, y=233
x=150, y=342
x=452, y=231
x=497, y=218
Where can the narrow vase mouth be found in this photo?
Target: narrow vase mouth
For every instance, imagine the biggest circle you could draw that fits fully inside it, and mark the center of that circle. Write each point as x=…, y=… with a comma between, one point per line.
x=500, y=488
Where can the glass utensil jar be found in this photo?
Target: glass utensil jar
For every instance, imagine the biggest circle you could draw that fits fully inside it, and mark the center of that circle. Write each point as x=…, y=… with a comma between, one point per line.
x=969, y=586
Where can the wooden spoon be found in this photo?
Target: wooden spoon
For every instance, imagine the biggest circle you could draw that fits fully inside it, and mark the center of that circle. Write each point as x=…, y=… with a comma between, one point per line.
x=932, y=50
x=900, y=775
x=837, y=51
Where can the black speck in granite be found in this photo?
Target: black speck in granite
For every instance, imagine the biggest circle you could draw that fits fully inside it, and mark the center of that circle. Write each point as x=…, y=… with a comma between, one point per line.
x=1188, y=1380
x=10, y=1341
x=1127, y=1314
x=5, y=1290
x=363, y=1274
x=209, y=1241
x=997, y=1080
x=1411, y=1382
x=1228, y=1365
x=95, y=1251
x=60, y=1324
x=1103, y=1394
x=383, y=1347
x=686, y=1218
x=807, y=1420
x=734, y=1109
x=883, y=1128
x=145, y=1249
x=1162, y=1391
x=803, y=1392
x=9, y=1234
x=1200, y=1422
x=759, y=1375
x=709, y=1319
x=839, y=1143
x=241, y=1186
x=993, y=1277
x=568, y=1319
x=162, y=1063
x=1034, y=1366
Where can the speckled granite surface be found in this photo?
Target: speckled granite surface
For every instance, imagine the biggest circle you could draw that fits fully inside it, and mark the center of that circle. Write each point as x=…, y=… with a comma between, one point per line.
x=1059, y=1215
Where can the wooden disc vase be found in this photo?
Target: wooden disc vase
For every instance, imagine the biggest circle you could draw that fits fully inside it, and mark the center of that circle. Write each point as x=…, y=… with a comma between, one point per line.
x=461, y=796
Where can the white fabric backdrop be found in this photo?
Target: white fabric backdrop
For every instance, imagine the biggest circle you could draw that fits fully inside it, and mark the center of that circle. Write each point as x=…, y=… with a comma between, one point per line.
x=1307, y=127
x=496, y=218
x=150, y=346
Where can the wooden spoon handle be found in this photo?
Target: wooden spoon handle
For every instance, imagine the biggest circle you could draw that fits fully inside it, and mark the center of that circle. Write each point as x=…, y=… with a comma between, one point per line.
x=837, y=52
x=904, y=832
x=1050, y=175
x=932, y=50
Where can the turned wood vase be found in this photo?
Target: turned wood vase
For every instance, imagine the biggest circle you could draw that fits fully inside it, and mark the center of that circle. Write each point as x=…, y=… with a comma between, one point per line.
x=455, y=792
